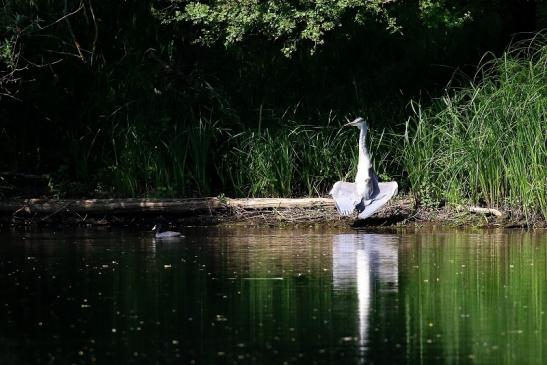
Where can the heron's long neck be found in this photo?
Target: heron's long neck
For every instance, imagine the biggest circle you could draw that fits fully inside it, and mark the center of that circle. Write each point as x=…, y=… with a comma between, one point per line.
x=364, y=157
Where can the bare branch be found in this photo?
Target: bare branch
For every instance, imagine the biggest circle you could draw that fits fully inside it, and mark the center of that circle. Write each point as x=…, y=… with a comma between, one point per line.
x=41, y=65
x=76, y=43
x=63, y=17
x=64, y=53
x=96, y=37
x=9, y=96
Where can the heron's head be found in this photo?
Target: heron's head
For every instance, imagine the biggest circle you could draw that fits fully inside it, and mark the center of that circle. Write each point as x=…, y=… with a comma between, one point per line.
x=358, y=122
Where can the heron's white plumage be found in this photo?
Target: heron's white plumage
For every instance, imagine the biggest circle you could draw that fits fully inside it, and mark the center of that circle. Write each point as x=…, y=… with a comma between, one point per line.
x=345, y=196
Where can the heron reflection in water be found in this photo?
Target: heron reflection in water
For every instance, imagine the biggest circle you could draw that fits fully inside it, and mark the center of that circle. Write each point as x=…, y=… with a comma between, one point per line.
x=361, y=260
x=366, y=194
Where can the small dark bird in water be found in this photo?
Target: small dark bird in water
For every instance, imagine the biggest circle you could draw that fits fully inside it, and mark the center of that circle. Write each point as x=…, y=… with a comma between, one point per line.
x=163, y=233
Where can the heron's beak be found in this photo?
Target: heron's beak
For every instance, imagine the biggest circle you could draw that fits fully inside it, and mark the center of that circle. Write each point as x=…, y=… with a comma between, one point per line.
x=154, y=228
x=353, y=122
x=349, y=124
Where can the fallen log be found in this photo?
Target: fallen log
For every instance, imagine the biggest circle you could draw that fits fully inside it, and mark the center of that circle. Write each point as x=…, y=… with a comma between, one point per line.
x=175, y=206
x=280, y=203
x=486, y=211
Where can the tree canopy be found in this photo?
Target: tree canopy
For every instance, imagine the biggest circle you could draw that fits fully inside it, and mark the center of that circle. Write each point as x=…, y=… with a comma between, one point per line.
x=307, y=23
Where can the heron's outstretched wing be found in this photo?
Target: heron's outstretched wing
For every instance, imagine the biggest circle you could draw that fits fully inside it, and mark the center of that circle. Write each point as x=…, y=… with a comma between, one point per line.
x=387, y=191
x=345, y=196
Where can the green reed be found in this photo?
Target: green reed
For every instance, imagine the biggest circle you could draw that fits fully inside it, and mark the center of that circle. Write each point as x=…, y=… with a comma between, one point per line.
x=486, y=143
x=203, y=159
x=292, y=161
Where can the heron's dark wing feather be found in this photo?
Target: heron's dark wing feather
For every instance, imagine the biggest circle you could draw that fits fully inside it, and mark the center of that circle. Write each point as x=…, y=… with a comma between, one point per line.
x=386, y=191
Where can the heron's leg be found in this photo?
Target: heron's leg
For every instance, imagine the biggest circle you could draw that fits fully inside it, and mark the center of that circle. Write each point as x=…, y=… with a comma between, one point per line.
x=362, y=204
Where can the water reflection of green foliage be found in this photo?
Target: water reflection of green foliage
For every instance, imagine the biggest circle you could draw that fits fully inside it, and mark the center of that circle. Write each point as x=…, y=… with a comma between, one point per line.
x=477, y=297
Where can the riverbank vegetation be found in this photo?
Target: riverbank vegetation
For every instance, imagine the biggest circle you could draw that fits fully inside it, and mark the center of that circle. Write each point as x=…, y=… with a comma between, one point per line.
x=182, y=99
x=485, y=142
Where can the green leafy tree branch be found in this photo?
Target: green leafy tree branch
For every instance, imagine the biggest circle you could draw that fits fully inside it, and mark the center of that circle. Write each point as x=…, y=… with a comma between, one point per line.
x=307, y=23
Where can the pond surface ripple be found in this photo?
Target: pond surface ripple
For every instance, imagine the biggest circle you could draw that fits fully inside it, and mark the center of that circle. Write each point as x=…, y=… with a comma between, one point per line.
x=273, y=296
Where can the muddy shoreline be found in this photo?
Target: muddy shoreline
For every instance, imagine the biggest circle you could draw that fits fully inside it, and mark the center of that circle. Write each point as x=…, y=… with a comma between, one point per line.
x=400, y=212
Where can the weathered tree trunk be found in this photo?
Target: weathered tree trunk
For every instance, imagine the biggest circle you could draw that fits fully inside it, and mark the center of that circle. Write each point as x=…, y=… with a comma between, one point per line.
x=112, y=206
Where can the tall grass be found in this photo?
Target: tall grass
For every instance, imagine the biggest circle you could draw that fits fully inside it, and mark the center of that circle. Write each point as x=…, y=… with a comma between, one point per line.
x=203, y=159
x=294, y=160
x=163, y=163
x=485, y=143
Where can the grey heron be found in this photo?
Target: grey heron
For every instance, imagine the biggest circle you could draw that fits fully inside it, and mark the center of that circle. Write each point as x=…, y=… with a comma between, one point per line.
x=366, y=194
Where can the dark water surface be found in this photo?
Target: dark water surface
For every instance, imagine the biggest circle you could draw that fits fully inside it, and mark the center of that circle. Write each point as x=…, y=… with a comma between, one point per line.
x=273, y=296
